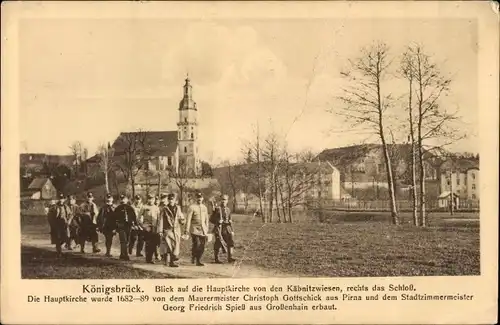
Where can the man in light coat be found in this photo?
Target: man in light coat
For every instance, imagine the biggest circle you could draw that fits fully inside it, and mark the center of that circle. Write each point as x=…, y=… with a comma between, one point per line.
x=137, y=234
x=149, y=215
x=170, y=222
x=197, y=226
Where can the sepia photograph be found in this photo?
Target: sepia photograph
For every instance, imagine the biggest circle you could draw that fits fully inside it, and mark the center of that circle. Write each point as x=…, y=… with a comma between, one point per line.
x=248, y=148
x=249, y=162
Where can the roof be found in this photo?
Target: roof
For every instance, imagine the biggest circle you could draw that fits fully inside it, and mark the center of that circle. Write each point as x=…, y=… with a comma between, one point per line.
x=158, y=143
x=41, y=158
x=38, y=183
x=446, y=194
x=314, y=167
x=461, y=164
x=345, y=156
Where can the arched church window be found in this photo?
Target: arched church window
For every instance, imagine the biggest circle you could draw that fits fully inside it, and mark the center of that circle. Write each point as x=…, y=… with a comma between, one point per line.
x=185, y=149
x=192, y=135
x=185, y=119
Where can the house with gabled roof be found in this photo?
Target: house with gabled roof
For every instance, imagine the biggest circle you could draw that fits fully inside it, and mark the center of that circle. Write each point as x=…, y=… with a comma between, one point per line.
x=41, y=188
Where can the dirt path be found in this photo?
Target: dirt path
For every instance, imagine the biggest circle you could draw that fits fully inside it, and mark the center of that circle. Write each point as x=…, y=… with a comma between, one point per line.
x=185, y=269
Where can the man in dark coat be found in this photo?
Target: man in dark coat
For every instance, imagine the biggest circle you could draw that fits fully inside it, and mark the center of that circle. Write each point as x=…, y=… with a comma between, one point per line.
x=125, y=220
x=88, y=224
x=58, y=217
x=49, y=211
x=223, y=230
x=107, y=223
x=73, y=222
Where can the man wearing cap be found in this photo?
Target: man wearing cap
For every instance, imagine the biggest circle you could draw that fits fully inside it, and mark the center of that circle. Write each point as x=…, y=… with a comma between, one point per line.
x=125, y=220
x=223, y=230
x=58, y=217
x=149, y=215
x=88, y=223
x=137, y=234
x=197, y=226
x=73, y=222
x=169, y=223
x=107, y=223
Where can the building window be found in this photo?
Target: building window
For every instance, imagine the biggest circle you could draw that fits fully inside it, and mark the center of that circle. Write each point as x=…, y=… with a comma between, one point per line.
x=473, y=186
x=179, y=135
x=473, y=176
x=185, y=149
x=473, y=196
x=185, y=119
x=448, y=182
x=458, y=180
x=192, y=135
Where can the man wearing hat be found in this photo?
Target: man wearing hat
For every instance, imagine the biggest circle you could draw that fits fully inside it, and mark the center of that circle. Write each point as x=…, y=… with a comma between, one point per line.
x=197, y=226
x=137, y=233
x=58, y=218
x=107, y=223
x=169, y=225
x=73, y=222
x=125, y=220
x=88, y=224
x=149, y=215
x=223, y=230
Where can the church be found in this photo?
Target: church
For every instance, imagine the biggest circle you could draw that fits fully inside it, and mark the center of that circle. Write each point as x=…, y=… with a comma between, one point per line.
x=169, y=150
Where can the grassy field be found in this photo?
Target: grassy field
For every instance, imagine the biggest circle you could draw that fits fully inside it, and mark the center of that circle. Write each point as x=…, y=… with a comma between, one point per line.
x=42, y=264
x=354, y=244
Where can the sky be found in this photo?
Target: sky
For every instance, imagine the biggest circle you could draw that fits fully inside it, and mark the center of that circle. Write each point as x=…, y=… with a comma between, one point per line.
x=89, y=79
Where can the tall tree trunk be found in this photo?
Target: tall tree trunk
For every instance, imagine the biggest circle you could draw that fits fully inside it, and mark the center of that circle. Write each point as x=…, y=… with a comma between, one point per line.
x=390, y=178
x=159, y=183
x=423, y=219
x=106, y=181
x=259, y=176
x=283, y=208
x=271, y=199
x=413, y=153
x=276, y=200
x=452, y=198
x=414, y=185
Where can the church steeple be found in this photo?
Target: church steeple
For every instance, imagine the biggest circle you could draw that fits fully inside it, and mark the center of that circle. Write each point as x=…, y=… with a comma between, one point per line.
x=187, y=138
x=187, y=101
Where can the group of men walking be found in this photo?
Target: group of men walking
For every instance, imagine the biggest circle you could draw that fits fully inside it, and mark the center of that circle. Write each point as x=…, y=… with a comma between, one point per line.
x=156, y=227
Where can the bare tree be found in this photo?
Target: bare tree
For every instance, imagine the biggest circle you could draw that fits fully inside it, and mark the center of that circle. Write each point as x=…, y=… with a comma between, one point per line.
x=77, y=151
x=407, y=71
x=106, y=163
x=271, y=156
x=132, y=154
x=253, y=152
x=434, y=123
x=365, y=103
x=181, y=178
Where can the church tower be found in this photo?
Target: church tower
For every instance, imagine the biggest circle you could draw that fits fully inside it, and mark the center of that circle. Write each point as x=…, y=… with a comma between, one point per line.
x=187, y=135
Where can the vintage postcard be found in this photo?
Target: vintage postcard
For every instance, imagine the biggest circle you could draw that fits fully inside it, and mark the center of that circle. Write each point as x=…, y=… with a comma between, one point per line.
x=249, y=162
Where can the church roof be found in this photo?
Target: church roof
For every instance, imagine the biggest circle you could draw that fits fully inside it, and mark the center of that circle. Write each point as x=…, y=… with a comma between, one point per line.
x=157, y=143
